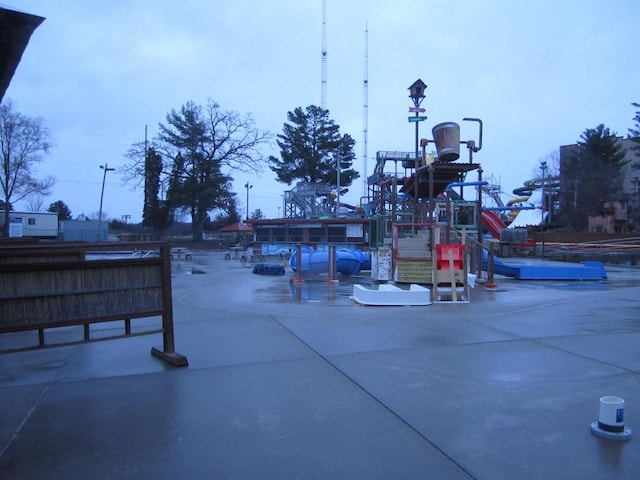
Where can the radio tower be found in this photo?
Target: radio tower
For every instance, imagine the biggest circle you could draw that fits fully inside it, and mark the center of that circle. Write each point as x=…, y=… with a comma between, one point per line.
x=365, y=110
x=323, y=92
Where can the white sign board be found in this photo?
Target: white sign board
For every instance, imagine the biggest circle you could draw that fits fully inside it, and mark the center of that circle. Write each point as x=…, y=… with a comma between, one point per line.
x=15, y=227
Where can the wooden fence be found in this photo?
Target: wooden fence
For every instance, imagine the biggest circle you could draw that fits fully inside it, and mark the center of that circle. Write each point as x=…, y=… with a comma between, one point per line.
x=59, y=285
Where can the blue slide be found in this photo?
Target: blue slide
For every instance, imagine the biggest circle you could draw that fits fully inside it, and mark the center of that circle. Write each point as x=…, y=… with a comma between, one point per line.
x=526, y=271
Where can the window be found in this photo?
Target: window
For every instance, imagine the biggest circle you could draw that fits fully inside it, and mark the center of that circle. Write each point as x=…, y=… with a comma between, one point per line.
x=337, y=234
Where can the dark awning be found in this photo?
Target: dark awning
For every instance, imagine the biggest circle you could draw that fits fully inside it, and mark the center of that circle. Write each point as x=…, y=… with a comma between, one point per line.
x=15, y=31
x=444, y=173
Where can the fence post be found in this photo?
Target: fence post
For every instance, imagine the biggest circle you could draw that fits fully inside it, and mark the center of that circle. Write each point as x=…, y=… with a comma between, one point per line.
x=490, y=265
x=168, y=352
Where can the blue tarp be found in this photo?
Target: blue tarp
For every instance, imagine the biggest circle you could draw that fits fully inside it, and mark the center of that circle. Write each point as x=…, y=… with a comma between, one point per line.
x=268, y=269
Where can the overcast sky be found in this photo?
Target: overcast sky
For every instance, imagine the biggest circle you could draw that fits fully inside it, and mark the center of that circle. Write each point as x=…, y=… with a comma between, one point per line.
x=538, y=73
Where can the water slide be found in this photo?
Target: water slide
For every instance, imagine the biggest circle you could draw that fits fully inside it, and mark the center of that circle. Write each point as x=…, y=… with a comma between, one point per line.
x=493, y=223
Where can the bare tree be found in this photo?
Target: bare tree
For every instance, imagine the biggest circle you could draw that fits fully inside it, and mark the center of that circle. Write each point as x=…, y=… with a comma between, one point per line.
x=551, y=166
x=35, y=203
x=23, y=141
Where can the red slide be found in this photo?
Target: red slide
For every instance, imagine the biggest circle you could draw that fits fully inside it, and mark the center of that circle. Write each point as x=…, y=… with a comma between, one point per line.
x=493, y=223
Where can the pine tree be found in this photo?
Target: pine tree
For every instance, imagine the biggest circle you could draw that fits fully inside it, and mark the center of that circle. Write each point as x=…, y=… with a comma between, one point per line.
x=61, y=208
x=310, y=147
x=634, y=135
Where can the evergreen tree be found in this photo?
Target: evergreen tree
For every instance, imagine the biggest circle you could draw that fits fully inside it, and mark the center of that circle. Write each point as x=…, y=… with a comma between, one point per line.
x=634, y=135
x=310, y=147
x=156, y=212
x=257, y=214
x=61, y=208
x=228, y=215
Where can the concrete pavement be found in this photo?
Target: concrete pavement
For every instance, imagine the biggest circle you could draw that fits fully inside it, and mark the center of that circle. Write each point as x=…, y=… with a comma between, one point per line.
x=287, y=382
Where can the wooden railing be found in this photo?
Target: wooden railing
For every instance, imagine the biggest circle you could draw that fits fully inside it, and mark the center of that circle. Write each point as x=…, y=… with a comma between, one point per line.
x=58, y=285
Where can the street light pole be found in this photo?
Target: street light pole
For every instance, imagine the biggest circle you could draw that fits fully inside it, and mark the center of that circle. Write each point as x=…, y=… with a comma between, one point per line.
x=248, y=187
x=104, y=177
x=543, y=166
x=284, y=207
x=636, y=204
x=338, y=168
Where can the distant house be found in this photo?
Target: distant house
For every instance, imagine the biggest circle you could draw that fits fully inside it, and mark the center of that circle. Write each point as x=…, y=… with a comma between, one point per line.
x=614, y=218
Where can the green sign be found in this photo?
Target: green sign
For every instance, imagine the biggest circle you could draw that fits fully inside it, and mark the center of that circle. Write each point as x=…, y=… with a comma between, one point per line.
x=417, y=119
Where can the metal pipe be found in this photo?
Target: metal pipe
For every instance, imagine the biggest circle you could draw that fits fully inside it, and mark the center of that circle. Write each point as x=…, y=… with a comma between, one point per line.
x=479, y=225
x=469, y=119
x=466, y=184
x=490, y=266
x=431, y=193
x=332, y=262
x=500, y=209
x=298, y=280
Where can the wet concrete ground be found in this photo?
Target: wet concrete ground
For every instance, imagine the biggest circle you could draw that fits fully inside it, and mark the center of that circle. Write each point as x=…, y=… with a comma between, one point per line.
x=288, y=382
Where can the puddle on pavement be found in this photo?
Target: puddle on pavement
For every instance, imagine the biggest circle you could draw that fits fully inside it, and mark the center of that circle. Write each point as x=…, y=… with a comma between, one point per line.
x=314, y=289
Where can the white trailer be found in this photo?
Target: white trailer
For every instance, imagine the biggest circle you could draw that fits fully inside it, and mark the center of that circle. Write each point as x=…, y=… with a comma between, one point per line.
x=32, y=224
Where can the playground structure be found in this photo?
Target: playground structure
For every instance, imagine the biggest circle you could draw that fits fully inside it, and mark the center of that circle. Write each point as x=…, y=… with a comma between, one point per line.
x=416, y=213
x=417, y=205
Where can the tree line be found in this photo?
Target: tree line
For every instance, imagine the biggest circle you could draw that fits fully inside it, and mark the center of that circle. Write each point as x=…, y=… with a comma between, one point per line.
x=189, y=165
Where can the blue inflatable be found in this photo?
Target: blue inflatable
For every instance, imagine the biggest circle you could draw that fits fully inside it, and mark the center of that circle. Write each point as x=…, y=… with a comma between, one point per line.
x=348, y=262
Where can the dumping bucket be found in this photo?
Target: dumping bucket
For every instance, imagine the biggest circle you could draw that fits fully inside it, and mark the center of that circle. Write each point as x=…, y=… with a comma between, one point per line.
x=447, y=138
x=457, y=255
x=610, y=422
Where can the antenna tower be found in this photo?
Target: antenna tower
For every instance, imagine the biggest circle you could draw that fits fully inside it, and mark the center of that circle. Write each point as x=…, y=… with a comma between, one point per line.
x=365, y=109
x=323, y=93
